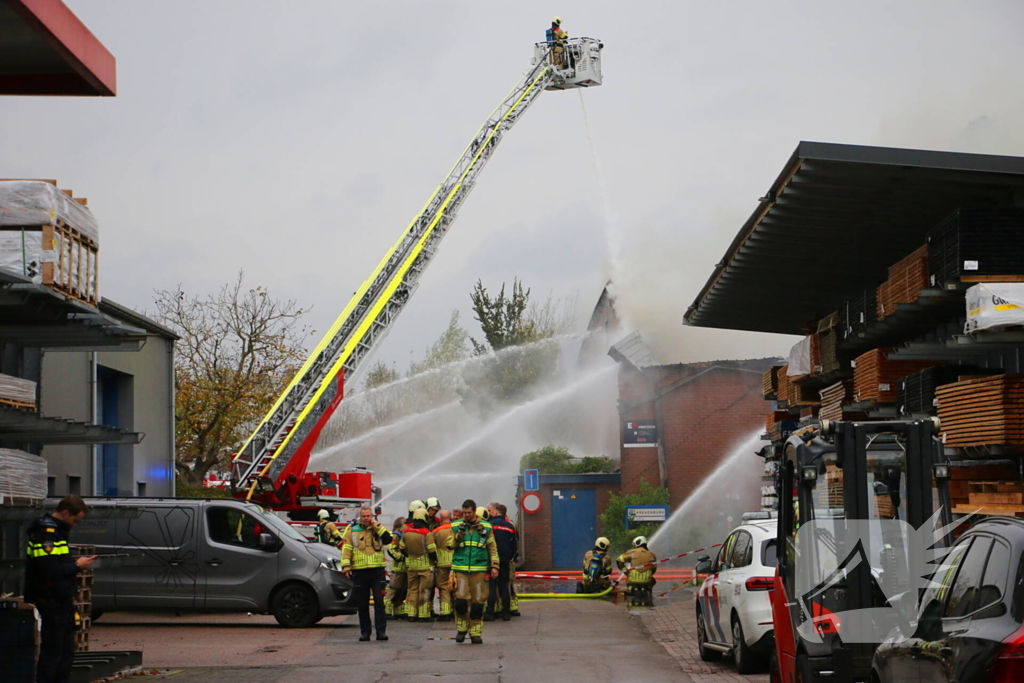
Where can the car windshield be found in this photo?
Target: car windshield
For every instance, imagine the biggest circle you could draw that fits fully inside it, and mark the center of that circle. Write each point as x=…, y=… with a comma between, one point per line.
x=279, y=524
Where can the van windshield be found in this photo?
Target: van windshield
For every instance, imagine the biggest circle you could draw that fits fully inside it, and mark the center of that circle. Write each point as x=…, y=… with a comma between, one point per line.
x=279, y=524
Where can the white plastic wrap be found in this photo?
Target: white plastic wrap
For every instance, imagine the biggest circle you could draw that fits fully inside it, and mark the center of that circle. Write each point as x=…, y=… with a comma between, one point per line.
x=994, y=305
x=26, y=203
x=17, y=389
x=21, y=252
x=800, y=358
x=22, y=475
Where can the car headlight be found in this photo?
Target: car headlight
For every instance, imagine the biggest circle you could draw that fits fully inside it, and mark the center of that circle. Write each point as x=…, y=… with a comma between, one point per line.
x=330, y=564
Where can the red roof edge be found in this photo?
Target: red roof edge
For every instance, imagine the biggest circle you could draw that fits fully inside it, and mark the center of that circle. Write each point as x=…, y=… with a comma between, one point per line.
x=66, y=33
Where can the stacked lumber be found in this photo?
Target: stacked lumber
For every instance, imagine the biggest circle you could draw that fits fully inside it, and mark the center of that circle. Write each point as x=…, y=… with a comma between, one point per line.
x=977, y=245
x=832, y=399
x=798, y=395
x=907, y=277
x=815, y=355
x=876, y=378
x=834, y=485
x=859, y=312
x=50, y=237
x=828, y=341
x=782, y=387
x=770, y=382
x=962, y=478
x=985, y=411
x=917, y=391
x=18, y=392
x=994, y=498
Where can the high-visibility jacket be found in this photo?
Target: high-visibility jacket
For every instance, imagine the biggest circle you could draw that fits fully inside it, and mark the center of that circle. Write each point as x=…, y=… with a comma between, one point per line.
x=50, y=570
x=473, y=546
x=397, y=556
x=417, y=545
x=327, y=532
x=364, y=548
x=444, y=553
x=636, y=558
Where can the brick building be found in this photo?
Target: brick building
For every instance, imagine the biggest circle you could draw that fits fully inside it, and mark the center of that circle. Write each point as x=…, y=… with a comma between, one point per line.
x=696, y=414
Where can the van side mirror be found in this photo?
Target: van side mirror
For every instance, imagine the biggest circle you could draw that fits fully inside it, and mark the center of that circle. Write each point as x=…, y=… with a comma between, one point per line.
x=269, y=543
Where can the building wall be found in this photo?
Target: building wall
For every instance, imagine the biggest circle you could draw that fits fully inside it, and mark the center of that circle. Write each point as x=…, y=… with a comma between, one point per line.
x=535, y=530
x=146, y=406
x=703, y=412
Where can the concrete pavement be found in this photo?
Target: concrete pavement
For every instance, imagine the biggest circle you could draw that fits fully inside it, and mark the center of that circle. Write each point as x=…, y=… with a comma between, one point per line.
x=590, y=641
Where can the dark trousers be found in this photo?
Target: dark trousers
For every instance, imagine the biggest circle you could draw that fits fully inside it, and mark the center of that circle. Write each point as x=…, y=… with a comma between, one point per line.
x=370, y=582
x=499, y=588
x=57, y=650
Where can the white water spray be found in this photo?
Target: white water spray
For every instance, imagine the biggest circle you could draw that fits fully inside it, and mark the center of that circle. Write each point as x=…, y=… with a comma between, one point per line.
x=729, y=486
x=489, y=428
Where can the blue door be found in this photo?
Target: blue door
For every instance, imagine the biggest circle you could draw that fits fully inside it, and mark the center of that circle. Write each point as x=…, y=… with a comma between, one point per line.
x=573, y=526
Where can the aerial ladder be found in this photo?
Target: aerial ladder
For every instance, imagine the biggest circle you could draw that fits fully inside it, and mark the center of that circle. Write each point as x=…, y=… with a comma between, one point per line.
x=270, y=468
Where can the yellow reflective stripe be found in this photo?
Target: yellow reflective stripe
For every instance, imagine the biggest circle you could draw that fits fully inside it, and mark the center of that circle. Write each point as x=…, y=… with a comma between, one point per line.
x=471, y=568
x=357, y=337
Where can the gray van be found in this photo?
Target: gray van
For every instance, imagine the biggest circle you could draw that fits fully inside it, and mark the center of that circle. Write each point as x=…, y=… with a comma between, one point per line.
x=215, y=555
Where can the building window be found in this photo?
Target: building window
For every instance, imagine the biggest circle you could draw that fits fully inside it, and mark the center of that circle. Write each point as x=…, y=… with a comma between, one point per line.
x=74, y=486
x=51, y=487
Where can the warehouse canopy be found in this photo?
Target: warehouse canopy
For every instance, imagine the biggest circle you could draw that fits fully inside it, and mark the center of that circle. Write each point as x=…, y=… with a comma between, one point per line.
x=833, y=222
x=46, y=50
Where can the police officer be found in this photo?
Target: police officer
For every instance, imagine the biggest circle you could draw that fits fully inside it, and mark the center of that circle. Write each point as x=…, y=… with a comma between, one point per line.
x=474, y=561
x=51, y=585
x=597, y=568
x=507, y=540
x=640, y=579
x=326, y=531
x=362, y=560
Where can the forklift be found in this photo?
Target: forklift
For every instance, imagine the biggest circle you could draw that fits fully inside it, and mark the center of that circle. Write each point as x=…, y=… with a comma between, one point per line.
x=869, y=497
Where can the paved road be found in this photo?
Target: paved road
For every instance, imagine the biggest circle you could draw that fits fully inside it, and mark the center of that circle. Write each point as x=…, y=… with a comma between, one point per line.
x=586, y=641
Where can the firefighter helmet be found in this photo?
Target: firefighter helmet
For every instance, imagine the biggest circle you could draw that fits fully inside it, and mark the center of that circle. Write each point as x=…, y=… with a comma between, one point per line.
x=323, y=514
x=639, y=541
x=433, y=503
x=602, y=543
x=420, y=514
x=557, y=21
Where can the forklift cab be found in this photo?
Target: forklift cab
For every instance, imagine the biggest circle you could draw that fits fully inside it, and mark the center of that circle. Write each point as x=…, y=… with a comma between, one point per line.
x=865, y=495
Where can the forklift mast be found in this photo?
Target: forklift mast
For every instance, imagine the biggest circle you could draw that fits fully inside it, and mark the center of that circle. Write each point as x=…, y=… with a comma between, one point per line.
x=862, y=489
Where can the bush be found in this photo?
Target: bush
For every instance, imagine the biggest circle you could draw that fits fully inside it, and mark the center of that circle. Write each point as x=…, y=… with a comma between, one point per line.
x=613, y=520
x=185, y=490
x=558, y=460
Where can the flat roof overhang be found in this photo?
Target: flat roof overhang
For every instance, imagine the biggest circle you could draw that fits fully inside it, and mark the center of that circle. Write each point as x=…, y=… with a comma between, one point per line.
x=22, y=425
x=833, y=222
x=46, y=50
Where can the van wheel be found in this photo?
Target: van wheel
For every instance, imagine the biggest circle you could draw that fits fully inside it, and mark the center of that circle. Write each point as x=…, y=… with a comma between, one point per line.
x=295, y=606
x=706, y=655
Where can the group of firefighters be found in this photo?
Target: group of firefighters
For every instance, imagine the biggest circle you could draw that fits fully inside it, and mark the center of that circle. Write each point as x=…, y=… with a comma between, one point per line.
x=466, y=557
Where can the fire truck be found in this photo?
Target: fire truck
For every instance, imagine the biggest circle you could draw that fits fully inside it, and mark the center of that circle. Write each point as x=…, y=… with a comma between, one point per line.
x=271, y=466
x=863, y=514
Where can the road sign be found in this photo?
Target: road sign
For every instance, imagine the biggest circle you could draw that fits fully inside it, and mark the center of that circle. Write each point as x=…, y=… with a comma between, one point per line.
x=531, y=503
x=637, y=514
x=531, y=480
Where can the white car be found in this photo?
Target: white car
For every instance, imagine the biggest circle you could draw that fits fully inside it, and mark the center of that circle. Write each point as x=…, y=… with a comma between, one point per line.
x=734, y=612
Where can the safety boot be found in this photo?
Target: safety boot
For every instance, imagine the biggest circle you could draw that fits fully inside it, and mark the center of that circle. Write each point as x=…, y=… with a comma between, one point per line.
x=476, y=640
x=488, y=616
x=460, y=637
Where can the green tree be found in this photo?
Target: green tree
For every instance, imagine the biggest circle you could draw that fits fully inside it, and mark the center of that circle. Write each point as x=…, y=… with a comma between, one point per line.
x=613, y=519
x=502, y=319
x=379, y=375
x=451, y=347
x=558, y=460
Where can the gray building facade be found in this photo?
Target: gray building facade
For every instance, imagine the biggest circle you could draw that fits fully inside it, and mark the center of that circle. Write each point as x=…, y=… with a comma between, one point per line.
x=130, y=389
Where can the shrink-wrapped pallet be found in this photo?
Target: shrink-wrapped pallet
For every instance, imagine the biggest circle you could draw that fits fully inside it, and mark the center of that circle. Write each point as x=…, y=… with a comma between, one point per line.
x=995, y=305
x=49, y=237
x=24, y=476
x=17, y=390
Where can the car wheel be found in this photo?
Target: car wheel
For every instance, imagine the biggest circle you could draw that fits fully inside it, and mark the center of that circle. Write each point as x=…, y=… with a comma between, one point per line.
x=706, y=654
x=746, y=661
x=295, y=606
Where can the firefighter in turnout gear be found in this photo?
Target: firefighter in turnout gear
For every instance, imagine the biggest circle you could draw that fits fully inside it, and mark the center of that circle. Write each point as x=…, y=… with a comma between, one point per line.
x=394, y=601
x=326, y=531
x=640, y=577
x=597, y=568
x=443, y=573
x=420, y=552
x=506, y=538
x=51, y=584
x=474, y=561
x=362, y=560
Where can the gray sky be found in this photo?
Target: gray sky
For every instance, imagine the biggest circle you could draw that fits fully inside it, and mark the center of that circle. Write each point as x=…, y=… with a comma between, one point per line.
x=296, y=140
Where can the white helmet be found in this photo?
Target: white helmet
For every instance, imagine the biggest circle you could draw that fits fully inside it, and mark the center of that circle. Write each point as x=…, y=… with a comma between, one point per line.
x=639, y=541
x=417, y=505
x=433, y=502
x=323, y=514
x=557, y=21
x=602, y=543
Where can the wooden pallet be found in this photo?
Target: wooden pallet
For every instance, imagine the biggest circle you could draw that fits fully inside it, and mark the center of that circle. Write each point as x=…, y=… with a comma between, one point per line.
x=876, y=378
x=18, y=404
x=1000, y=510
